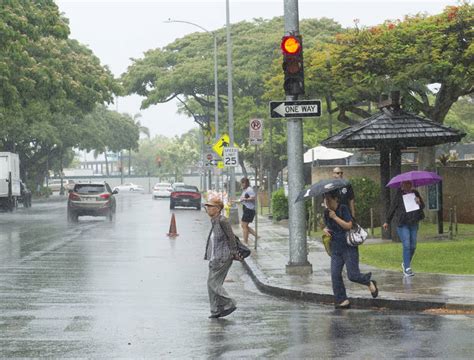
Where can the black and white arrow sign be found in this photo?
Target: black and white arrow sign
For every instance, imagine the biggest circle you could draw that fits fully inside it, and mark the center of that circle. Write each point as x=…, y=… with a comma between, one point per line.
x=295, y=109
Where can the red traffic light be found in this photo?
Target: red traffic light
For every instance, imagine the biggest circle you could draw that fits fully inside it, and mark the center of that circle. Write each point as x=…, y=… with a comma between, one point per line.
x=291, y=45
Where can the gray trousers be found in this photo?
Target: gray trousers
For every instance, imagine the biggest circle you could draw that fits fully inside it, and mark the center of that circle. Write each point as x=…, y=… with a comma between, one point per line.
x=218, y=298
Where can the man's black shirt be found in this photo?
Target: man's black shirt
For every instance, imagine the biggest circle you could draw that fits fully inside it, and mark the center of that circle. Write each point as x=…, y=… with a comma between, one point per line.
x=346, y=194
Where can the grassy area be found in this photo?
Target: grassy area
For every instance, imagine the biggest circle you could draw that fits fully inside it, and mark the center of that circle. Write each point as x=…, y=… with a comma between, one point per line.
x=432, y=255
x=443, y=257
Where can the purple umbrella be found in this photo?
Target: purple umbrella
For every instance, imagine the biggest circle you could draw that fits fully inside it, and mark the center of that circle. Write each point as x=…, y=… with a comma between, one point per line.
x=418, y=178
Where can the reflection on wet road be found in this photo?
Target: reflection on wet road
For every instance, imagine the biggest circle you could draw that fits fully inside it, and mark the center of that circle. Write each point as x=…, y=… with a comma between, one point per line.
x=97, y=289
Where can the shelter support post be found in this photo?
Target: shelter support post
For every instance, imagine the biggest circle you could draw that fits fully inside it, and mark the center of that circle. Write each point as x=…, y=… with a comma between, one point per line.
x=440, y=208
x=395, y=169
x=384, y=191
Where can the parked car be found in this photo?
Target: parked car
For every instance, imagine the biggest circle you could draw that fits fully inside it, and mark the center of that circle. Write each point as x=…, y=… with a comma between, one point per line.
x=25, y=195
x=162, y=190
x=55, y=184
x=91, y=199
x=129, y=187
x=69, y=184
x=187, y=195
x=176, y=184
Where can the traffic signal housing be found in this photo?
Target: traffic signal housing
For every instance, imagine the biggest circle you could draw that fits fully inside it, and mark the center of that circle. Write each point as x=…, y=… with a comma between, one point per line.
x=292, y=48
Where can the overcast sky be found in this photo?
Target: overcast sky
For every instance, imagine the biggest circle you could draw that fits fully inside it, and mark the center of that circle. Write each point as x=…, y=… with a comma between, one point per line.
x=117, y=30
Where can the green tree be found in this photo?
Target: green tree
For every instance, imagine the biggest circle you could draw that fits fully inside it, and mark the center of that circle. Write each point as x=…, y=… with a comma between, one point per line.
x=177, y=155
x=184, y=69
x=460, y=117
x=48, y=83
x=407, y=55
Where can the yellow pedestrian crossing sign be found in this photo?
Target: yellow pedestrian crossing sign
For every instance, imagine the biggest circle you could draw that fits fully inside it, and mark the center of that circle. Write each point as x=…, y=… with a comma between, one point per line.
x=221, y=143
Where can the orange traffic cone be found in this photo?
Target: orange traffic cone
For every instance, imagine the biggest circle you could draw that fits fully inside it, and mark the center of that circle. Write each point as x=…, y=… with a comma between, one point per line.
x=172, y=231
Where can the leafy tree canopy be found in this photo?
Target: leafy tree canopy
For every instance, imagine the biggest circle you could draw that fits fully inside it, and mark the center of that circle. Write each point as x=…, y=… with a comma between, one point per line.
x=408, y=55
x=48, y=84
x=184, y=68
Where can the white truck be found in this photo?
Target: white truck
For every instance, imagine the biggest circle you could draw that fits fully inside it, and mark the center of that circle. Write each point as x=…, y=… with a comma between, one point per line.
x=10, y=188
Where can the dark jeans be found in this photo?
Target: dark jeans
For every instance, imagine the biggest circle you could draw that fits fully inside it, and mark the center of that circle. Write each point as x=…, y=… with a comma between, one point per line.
x=349, y=256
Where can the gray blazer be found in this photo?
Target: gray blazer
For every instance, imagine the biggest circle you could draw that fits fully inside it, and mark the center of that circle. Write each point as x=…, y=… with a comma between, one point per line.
x=225, y=246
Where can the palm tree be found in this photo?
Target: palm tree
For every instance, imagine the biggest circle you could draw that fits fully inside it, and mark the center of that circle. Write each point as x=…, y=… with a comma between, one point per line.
x=143, y=130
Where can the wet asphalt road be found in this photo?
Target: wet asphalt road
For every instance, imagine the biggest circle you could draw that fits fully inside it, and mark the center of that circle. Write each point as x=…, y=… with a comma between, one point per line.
x=124, y=290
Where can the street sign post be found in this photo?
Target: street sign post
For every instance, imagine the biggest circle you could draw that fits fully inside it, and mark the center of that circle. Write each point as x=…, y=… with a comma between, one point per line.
x=231, y=157
x=295, y=109
x=256, y=131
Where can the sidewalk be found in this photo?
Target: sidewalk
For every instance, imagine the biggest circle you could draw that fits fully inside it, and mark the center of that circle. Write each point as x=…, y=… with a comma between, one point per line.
x=267, y=264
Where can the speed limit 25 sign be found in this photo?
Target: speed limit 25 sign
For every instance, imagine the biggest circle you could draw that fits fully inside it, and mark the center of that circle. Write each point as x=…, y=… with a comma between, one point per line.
x=231, y=157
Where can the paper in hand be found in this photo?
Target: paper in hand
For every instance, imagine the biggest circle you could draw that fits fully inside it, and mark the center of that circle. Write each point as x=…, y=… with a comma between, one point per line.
x=410, y=203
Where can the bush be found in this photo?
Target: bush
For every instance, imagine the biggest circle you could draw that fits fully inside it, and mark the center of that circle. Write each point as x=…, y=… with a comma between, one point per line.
x=367, y=195
x=42, y=192
x=279, y=205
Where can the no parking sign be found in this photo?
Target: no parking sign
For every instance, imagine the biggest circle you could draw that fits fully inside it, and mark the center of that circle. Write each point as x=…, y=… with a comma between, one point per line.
x=256, y=131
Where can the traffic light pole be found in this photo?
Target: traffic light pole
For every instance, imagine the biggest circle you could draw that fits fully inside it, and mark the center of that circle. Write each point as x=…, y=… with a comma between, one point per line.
x=298, y=262
x=216, y=87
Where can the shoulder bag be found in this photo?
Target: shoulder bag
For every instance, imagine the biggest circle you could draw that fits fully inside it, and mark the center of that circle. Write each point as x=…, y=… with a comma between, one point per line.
x=243, y=250
x=356, y=236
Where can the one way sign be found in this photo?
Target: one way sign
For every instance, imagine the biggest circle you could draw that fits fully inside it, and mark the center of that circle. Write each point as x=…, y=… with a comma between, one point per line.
x=295, y=109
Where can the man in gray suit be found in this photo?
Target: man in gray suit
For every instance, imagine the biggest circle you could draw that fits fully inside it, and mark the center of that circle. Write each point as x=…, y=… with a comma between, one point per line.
x=221, y=251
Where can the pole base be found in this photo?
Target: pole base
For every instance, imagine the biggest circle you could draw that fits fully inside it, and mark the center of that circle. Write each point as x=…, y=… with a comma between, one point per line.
x=234, y=215
x=305, y=269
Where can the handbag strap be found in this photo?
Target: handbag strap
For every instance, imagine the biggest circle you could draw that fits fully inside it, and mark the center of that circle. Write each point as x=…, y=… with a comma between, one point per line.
x=227, y=236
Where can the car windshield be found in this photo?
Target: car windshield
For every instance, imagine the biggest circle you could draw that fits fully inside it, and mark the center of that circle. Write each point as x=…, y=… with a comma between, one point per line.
x=187, y=188
x=90, y=189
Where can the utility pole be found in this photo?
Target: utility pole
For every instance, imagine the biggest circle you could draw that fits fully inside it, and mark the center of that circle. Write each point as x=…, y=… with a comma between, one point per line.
x=234, y=215
x=298, y=263
x=216, y=88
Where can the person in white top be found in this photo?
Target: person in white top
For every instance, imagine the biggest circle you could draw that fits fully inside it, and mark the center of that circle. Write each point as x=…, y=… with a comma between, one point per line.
x=247, y=199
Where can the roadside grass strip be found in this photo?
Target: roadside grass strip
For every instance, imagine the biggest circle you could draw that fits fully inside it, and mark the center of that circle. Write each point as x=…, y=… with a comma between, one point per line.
x=439, y=257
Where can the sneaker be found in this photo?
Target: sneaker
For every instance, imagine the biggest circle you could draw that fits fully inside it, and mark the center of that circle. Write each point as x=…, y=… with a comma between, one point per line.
x=408, y=272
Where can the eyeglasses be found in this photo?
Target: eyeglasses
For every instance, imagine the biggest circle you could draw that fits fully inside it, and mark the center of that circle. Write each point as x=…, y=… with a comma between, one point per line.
x=339, y=173
x=209, y=206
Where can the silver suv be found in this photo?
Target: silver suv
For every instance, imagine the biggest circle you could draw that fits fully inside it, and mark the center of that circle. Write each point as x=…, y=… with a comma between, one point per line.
x=91, y=199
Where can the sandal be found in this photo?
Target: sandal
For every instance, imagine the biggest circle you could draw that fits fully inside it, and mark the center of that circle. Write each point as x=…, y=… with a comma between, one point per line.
x=344, y=305
x=374, y=293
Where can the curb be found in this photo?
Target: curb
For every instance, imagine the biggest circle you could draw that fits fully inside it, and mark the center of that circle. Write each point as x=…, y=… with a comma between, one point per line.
x=259, y=278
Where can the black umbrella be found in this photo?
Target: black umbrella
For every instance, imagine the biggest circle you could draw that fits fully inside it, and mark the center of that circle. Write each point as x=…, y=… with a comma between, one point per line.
x=322, y=187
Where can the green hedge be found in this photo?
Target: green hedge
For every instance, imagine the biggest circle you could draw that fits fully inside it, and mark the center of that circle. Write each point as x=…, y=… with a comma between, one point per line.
x=367, y=195
x=279, y=205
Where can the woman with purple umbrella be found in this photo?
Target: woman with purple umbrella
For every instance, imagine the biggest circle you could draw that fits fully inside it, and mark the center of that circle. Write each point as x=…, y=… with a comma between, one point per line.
x=407, y=198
